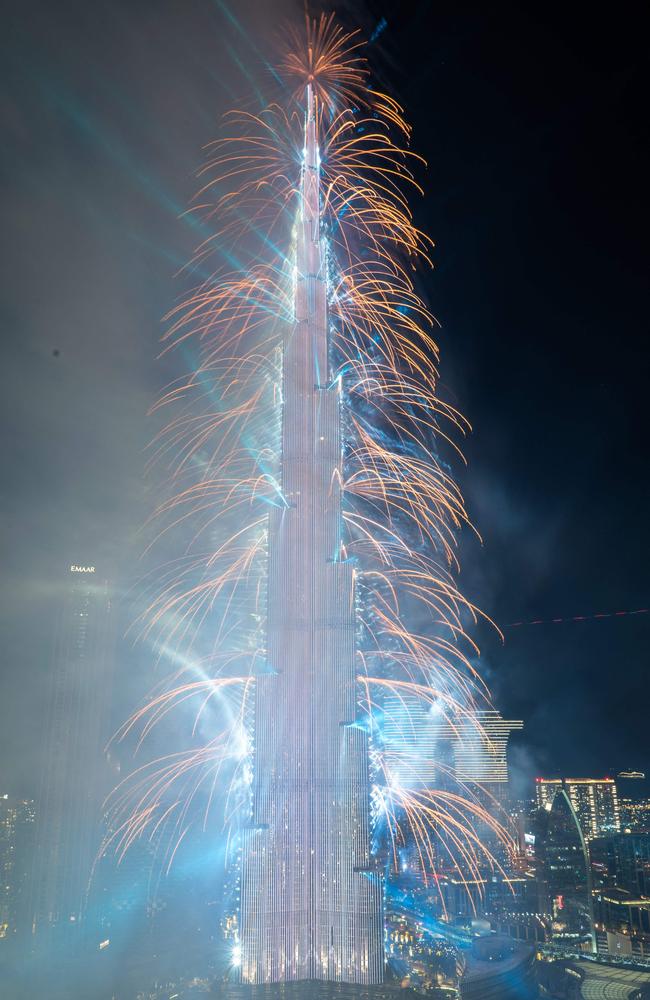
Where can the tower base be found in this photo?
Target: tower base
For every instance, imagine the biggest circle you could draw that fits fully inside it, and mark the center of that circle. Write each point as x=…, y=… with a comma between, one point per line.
x=313, y=989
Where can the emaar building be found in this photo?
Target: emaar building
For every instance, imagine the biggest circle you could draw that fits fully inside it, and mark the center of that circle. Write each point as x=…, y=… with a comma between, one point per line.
x=74, y=774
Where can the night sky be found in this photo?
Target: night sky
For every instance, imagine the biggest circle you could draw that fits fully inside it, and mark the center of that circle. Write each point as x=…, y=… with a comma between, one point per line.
x=533, y=124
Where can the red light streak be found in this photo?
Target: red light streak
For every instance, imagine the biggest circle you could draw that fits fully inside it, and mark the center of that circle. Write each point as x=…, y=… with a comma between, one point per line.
x=579, y=618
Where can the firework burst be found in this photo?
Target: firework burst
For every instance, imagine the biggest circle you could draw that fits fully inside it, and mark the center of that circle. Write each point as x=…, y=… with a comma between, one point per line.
x=220, y=452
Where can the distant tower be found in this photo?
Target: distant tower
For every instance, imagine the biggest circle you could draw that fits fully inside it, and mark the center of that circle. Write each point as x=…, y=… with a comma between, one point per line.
x=594, y=800
x=310, y=898
x=423, y=748
x=473, y=748
x=481, y=752
x=16, y=852
x=564, y=873
x=74, y=769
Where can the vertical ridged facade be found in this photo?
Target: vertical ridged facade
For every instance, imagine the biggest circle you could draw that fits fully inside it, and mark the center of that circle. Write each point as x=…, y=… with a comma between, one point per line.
x=74, y=779
x=311, y=903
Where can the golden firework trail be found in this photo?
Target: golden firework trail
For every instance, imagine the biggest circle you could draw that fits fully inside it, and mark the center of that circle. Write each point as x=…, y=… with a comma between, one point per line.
x=219, y=453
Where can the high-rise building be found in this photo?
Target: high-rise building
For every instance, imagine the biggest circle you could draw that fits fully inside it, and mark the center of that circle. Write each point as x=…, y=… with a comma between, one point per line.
x=594, y=800
x=622, y=861
x=422, y=748
x=16, y=853
x=310, y=896
x=634, y=804
x=563, y=873
x=622, y=924
x=74, y=771
x=635, y=815
x=480, y=763
x=480, y=750
x=417, y=746
x=420, y=745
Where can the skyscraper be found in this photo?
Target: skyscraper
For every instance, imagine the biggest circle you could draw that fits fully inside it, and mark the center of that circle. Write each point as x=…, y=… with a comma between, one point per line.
x=418, y=749
x=622, y=860
x=73, y=774
x=634, y=804
x=310, y=899
x=422, y=748
x=16, y=848
x=563, y=873
x=594, y=800
x=475, y=748
x=480, y=751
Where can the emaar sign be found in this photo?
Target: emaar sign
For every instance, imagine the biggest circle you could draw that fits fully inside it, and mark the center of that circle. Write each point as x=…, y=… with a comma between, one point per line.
x=82, y=569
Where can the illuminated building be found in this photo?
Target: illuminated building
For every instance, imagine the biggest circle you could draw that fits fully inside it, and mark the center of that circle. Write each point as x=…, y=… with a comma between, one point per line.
x=418, y=741
x=563, y=874
x=621, y=867
x=622, y=861
x=417, y=747
x=573, y=978
x=310, y=897
x=480, y=756
x=74, y=774
x=634, y=803
x=422, y=748
x=480, y=753
x=622, y=923
x=594, y=800
x=16, y=847
x=635, y=814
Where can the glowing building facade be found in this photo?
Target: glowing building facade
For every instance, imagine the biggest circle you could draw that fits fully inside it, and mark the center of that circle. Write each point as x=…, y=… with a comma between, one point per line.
x=310, y=897
x=594, y=800
x=622, y=861
x=481, y=752
x=474, y=749
x=74, y=774
x=564, y=874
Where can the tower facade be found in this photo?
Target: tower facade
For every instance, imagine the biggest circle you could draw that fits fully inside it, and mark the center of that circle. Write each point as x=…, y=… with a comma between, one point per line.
x=74, y=774
x=564, y=873
x=310, y=897
x=595, y=801
x=481, y=751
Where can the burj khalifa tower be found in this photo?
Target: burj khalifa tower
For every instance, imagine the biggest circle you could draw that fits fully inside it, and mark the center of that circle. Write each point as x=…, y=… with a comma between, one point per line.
x=311, y=901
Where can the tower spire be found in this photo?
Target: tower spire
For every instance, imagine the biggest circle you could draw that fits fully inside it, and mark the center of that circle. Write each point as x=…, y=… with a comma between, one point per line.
x=311, y=303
